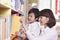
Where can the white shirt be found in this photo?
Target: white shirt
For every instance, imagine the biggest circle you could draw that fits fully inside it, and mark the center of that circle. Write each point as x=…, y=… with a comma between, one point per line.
x=46, y=34
x=8, y=38
x=34, y=28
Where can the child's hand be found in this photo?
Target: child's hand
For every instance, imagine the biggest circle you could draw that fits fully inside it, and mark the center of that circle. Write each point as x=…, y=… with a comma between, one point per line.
x=22, y=30
x=23, y=36
x=22, y=33
x=22, y=19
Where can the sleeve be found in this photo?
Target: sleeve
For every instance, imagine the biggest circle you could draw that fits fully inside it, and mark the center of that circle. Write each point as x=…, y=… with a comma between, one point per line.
x=47, y=36
x=31, y=33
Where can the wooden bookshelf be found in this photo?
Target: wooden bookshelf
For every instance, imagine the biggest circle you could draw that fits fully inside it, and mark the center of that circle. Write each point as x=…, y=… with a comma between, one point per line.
x=2, y=5
x=5, y=12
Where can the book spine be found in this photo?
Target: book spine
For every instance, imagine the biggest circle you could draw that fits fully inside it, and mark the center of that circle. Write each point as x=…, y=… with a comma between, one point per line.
x=13, y=4
x=2, y=29
x=16, y=4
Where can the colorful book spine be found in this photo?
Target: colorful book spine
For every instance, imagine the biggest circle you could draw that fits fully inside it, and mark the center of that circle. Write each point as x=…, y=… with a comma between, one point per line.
x=16, y=4
x=13, y=4
x=2, y=29
x=8, y=25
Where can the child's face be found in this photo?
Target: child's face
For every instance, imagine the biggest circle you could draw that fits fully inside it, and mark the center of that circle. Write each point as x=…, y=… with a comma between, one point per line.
x=31, y=17
x=43, y=20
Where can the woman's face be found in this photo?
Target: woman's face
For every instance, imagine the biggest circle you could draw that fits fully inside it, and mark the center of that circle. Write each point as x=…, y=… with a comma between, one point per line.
x=31, y=17
x=43, y=20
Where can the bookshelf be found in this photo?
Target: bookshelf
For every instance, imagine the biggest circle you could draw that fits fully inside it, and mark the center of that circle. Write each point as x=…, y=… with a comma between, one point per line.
x=2, y=5
x=6, y=9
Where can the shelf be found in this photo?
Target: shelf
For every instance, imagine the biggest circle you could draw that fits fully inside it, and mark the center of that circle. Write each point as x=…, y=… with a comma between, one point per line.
x=2, y=5
x=14, y=10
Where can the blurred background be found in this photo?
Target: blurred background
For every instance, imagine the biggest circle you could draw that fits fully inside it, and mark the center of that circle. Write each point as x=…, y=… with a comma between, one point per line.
x=10, y=10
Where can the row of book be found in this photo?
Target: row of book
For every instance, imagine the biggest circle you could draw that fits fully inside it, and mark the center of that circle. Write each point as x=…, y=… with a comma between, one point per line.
x=5, y=28
x=15, y=4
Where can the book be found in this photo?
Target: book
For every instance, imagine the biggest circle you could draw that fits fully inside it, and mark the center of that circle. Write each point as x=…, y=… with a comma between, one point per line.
x=13, y=4
x=2, y=28
x=16, y=4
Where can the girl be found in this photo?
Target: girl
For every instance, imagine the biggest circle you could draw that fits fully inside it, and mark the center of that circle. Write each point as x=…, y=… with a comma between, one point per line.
x=33, y=22
x=47, y=21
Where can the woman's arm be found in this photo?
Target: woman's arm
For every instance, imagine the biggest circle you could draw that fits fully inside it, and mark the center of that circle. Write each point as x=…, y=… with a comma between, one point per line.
x=48, y=35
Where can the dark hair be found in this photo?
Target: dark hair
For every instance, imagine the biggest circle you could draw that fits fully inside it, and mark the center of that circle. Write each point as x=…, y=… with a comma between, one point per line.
x=35, y=11
x=48, y=13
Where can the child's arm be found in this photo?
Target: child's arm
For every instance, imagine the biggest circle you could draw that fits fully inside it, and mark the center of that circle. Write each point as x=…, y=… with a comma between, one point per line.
x=23, y=23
